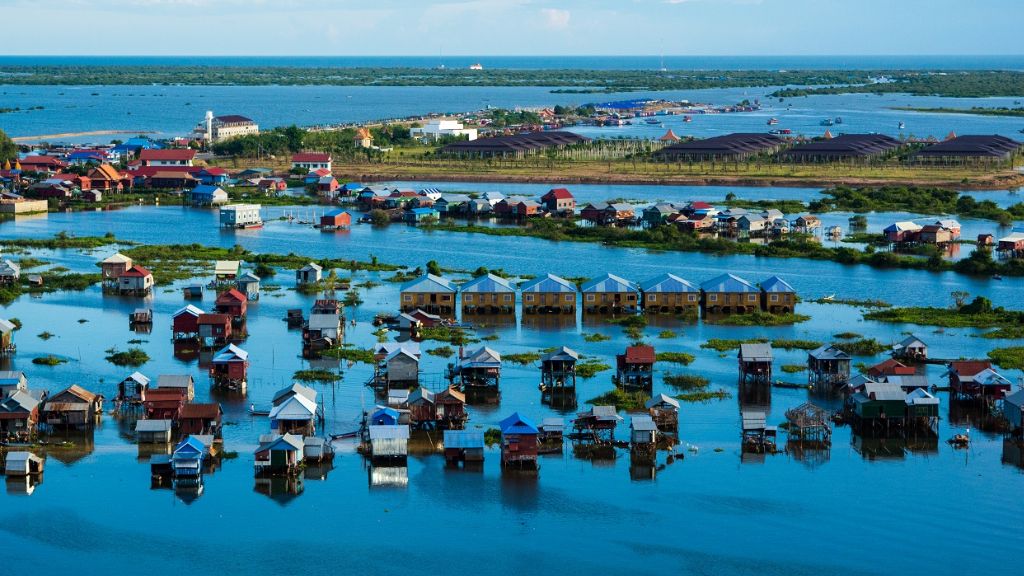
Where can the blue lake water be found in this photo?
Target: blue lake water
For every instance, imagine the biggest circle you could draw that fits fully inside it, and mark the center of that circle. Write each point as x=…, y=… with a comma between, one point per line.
x=175, y=110
x=713, y=511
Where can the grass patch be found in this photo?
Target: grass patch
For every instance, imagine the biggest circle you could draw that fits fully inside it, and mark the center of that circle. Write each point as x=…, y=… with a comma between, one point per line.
x=1008, y=358
x=442, y=351
x=131, y=357
x=795, y=344
x=725, y=344
x=621, y=399
x=590, y=368
x=854, y=302
x=492, y=436
x=793, y=368
x=49, y=360
x=666, y=334
x=45, y=335
x=350, y=354
x=762, y=319
x=861, y=347
x=704, y=395
x=686, y=381
x=318, y=375
x=522, y=357
x=456, y=336
x=596, y=337
x=16, y=322
x=977, y=314
x=846, y=335
x=675, y=357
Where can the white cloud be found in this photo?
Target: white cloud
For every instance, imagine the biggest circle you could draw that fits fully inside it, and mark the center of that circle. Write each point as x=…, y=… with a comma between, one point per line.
x=555, y=19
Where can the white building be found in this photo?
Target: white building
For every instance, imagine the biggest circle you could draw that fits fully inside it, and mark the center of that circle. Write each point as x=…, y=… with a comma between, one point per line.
x=240, y=216
x=220, y=128
x=436, y=129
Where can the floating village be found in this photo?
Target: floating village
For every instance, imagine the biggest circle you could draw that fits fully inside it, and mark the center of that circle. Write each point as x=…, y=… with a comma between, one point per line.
x=454, y=412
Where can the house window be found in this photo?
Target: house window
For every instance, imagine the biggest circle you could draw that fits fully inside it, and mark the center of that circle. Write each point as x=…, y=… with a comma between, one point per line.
x=446, y=298
x=528, y=297
x=774, y=297
x=508, y=297
x=712, y=297
x=652, y=297
x=590, y=297
x=407, y=297
x=692, y=297
x=469, y=297
x=751, y=297
x=569, y=298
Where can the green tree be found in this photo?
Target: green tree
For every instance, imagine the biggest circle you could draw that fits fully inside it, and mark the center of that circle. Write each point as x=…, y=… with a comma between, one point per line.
x=8, y=149
x=434, y=268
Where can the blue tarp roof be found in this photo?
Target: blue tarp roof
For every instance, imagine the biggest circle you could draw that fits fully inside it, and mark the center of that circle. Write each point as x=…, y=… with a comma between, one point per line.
x=608, y=283
x=549, y=283
x=516, y=424
x=487, y=283
x=727, y=283
x=776, y=284
x=667, y=283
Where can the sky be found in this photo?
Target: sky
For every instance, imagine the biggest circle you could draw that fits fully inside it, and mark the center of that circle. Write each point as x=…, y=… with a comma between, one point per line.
x=511, y=27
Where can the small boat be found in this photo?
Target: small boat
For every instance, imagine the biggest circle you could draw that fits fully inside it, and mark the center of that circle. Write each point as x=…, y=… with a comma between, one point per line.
x=344, y=435
x=830, y=297
x=654, y=121
x=773, y=121
x=839, y=119
x=253, y=411
x=960, y=441
x=827, y=122
x=690, y=119
x=997, y=276
x=902, y=125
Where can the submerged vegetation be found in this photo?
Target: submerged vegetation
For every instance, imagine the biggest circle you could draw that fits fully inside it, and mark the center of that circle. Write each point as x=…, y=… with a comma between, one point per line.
x=915, y=199
x=350, y=354
x=590, y=368
x=132, y=357
x=686, y=381
x=861, y=347
x=316, y=375
x=761, y=319
x=48, y=360
x=675, y=357
x=1009, y=358
x=521, y=357
x=621, y=399
x=979, y=313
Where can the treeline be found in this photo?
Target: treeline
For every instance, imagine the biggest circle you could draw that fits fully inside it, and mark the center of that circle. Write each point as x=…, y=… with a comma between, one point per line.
x=286, y=140
x=918, y=199
x=974, y=110
x=598, y=80
x=962, y=84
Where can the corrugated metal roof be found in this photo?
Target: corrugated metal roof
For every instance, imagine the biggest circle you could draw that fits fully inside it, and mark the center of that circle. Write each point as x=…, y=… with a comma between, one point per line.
x=324, y=321
x=550, y=424
x=828, y=352
x=153, y=425
x=883, y=391
x=389, y=432
x=429, y=283
x=517, y=424
x=487, y=284
x=776, y=284
x=230, y=353
x=174, y=381
x=668, y=283
x=482, y=356
x=608, y=283
x=549, y=283
x=292, y=390
x=727, y=283
x=757, y=351
x=643, y=423
x=662, y=399
x=563, y=354
x=297, y=407
x=463, y=439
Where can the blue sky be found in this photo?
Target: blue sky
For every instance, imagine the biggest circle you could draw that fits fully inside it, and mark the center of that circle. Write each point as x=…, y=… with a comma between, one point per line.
x=511, y=27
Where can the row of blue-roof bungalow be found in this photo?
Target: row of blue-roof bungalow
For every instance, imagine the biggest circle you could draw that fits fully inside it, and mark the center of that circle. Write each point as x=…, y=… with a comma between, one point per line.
x=667, y=293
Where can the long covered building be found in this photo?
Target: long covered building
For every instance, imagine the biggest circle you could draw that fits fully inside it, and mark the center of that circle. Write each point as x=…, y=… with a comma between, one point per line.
x=842, y=147
x=514, y=146
x=729, y=147
x=971, y=148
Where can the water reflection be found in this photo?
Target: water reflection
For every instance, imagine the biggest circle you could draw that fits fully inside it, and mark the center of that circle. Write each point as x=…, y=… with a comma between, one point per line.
x=810, y=454
x=871, y=448
x=23, y=485
x=388, y=476
x=1013, y=453
x=281, y=489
